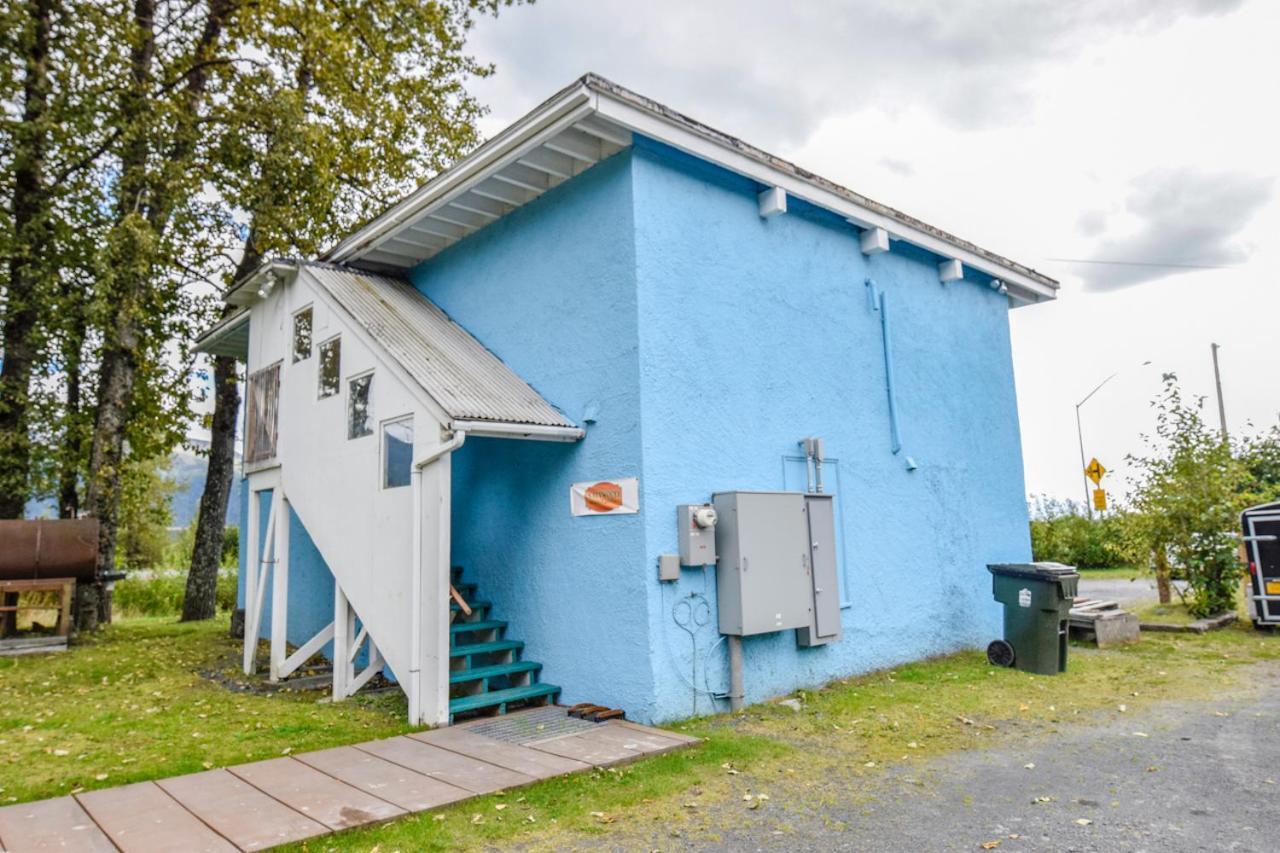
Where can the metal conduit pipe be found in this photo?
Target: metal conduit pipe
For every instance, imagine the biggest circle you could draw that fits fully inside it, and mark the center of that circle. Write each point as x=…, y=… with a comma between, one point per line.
x=736, y=692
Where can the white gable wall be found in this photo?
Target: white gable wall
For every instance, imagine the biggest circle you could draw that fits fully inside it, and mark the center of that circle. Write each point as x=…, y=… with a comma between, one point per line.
x=334, y=484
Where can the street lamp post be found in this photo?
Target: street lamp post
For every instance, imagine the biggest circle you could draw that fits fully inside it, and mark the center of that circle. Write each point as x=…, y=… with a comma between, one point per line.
x=1088, y=502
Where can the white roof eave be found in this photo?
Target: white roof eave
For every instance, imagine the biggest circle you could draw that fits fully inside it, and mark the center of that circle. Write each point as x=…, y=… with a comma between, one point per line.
x=595, y=96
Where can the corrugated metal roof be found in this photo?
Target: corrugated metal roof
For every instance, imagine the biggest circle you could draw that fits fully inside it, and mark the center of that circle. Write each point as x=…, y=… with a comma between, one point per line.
x=467, y=380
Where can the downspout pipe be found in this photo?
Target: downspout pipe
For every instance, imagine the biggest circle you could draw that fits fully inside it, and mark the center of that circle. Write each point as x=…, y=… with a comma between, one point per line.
x=415, y=649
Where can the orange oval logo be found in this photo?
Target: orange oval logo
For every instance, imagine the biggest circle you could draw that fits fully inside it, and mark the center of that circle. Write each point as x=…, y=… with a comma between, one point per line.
x=603, y=497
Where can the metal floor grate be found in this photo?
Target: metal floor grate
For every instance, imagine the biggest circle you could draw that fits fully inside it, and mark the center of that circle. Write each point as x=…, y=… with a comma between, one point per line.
x=535, y=724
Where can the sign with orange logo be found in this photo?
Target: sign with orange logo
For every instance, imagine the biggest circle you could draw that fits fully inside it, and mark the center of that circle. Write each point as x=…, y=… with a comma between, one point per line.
x=605, y=497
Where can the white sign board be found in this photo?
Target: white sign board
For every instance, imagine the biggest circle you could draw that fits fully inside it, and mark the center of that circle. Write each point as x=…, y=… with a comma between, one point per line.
x=1024, y=598
x=605, y=497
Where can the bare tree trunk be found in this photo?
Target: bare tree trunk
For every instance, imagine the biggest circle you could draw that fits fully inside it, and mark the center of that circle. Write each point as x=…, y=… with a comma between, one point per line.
x=1163, y=587
x=200, y=601
x=144, y=206
x=69, y=465
x=30, y=206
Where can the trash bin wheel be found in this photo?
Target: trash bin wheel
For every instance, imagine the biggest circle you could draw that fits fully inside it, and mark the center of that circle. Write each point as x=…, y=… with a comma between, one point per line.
x=1000, y=653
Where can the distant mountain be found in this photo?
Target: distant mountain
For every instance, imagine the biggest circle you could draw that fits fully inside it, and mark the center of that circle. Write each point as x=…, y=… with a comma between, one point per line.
x=188, y=469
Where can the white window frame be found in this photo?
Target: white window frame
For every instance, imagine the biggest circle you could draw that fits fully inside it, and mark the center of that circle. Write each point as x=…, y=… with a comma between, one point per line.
x=382, y=449
x=347, y=392
x=293, y=334
x=320, y=368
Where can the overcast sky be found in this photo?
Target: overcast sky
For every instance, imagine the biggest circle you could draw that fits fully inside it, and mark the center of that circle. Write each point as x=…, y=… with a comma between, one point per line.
x=1140, y=132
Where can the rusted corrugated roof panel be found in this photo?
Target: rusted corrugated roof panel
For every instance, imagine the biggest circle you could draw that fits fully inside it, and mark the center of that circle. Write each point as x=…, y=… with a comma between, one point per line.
x=467, y=380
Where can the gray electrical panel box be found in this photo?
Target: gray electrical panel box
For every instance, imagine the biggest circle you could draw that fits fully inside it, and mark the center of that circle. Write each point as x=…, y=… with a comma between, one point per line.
x=763, y=581
x=696, y=524
x=824, y=624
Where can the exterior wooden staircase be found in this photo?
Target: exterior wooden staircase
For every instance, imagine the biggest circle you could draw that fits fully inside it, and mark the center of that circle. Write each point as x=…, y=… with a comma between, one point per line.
x=488, y=674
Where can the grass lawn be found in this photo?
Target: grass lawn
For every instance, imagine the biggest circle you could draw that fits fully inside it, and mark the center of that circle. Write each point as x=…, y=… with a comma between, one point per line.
x=850, y=731
x=133, y=704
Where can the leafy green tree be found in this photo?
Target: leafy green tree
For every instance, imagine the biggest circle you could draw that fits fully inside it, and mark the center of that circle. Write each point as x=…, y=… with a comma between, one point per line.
x=1185, y=501
x=351, y=104
x=146, y=514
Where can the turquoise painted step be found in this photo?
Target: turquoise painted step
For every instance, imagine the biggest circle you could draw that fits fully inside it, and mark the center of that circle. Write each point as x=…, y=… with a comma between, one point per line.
x=515, y=668
x=486, y=648
x=466, y=590
x=482, y=625
x=501, y=697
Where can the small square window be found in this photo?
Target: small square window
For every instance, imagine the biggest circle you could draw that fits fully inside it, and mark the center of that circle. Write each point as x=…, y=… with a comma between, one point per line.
x=359, y=412
x=330, y=367
x=302, y=335
x=397, y=453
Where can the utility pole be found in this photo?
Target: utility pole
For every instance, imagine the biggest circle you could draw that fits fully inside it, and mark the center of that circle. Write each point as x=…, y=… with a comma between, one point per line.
x=1217, y=381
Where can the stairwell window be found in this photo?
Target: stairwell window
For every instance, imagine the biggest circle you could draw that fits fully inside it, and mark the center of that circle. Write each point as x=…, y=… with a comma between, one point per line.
x=302, y=335
x=330, y=367
x=359, y=411
x=397, y=452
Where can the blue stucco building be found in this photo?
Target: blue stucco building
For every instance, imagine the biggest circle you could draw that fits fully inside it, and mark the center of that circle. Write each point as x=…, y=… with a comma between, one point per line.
x=694, y=308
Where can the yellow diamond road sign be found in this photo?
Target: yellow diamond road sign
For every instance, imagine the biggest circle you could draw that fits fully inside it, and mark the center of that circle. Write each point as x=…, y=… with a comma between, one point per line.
x=1095, y=470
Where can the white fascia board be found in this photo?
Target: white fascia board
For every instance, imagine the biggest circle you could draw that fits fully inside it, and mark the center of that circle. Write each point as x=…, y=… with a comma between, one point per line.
x=561, y=112
x=532, y=432
x=226, y=326
x=706, y=148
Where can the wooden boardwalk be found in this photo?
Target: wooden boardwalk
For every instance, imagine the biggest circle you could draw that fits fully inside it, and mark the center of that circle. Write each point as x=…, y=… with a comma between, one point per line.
x=259, y=805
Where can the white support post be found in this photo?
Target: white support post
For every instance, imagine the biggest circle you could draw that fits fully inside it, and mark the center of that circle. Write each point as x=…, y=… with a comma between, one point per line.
x=250, y=569
x=280, y=589
x=342, y=641
x=374, y=667
x=306, y=650
x=259, y=577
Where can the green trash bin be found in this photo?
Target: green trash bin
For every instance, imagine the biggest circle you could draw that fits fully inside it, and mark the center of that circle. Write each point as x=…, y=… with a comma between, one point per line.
x=1037, y=599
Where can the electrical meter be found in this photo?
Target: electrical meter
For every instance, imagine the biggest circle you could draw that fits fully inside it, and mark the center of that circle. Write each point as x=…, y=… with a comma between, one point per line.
x=697, y=525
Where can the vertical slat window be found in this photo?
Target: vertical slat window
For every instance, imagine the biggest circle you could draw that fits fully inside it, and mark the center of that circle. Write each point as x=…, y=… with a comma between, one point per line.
x=302, y=335
x=261, y=415
x=330, y=367
x=359, y=410
x=397, y=452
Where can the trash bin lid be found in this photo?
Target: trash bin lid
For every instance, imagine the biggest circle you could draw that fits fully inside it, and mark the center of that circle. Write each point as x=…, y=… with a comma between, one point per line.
x=1033, y=571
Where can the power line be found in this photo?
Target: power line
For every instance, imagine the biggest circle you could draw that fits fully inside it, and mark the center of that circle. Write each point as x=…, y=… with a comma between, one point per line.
x=1145, y=264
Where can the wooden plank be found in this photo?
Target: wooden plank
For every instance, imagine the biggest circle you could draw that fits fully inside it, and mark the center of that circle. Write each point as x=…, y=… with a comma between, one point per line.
x=587, y=747
x=405, y=788
x=667, y=733
x=530, y=762
x=142, y=818
x=648, y=741
x=57, y=824
x=320, y=797
x=250, y=819
x=476, y=776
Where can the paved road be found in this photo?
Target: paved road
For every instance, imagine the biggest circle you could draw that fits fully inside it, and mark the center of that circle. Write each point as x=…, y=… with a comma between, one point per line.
x=1181, y=776
x=1125, y=592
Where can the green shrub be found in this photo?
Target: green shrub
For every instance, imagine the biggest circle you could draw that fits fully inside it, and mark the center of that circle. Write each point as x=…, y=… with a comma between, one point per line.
x=1060, y=533
x=160, y=593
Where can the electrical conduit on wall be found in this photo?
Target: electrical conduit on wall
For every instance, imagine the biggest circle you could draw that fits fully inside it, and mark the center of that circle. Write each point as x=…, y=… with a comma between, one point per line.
x=878, y=300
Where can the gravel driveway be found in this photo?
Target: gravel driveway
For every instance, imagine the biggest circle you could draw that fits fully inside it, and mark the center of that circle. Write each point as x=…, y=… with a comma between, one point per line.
x=1179, y=776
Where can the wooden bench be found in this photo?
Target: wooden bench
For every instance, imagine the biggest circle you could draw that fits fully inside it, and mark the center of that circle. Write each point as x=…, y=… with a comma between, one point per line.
x=1103, y=622
x=10, y=592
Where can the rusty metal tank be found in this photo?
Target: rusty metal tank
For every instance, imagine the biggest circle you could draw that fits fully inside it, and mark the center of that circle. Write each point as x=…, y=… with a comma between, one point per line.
x=48, y=548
